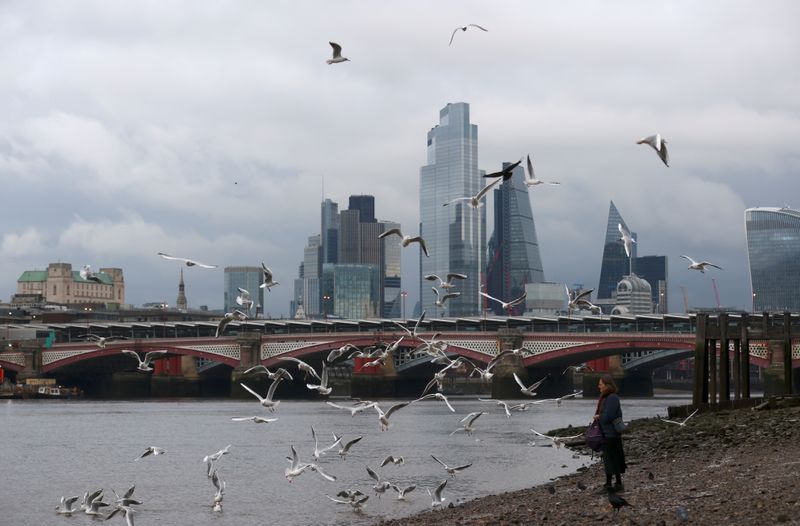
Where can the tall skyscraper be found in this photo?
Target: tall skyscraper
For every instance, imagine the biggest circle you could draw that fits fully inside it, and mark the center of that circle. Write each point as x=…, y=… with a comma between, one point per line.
x=615, y=263
x=329, y=231
x=248, y=278
x=365, y=204
x=392, y=284
x=455, y=234
x=653, y=269
x=773, y=253
x=514, y=258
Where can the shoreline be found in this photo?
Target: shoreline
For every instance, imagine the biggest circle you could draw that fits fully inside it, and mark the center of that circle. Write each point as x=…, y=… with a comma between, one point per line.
x=733, y=467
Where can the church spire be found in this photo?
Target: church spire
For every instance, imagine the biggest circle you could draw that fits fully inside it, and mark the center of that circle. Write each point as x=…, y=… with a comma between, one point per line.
x=180, y=303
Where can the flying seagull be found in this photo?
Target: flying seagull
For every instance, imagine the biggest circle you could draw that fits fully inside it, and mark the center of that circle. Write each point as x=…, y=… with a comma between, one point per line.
x=530, y=389
x=467, y=423
x=87, y=274
x=267, y=277
x=436, y=497
x=581, y=301
x=659, y=145
x=243, y=299
x=446, y=283
x=322, y=388
x=296, y=469
x=557, y=441
x=65, y=508
x=530, y=178
x=464, y=28
x=303, y=366
x=345, y=449
x=452, y=470
x=444, y=297
x=506, y=305
x=701, y=266
x=188, y=262
x=151, y=450
x=682, y=423
x=267, y=401
x=102, y=341
x=356, y=501
x=506, y=173
x=397, y=461
x=627, y=240
x=255, y=419
x=406, y=240
x=337, y=54
x=401, y=492
x=475, y=201
x=144, y=364
x=229, y=317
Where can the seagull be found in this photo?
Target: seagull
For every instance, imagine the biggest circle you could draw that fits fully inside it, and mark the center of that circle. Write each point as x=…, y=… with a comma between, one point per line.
x=475, y=201
x=401, y=492
x=397, y=461
x=267, y=278
x=406, y=240
x=254, y=419
x=659, y=145
x=220, y=485
x=530, y=178
x=127, y=498
x=319, y=452
x=188, y=262
x=303, y=366
x=337, y=54
x=336, y=354
x=516, y=352
x=701, y=266
x=297, y=469
x=229, y=317
x=500, y=403
x=627, y=240
x=353, y=410
x=65, y=508
x=383, y=418
x=506, y=305
x=127, y=510
x=102, y=341
x=355, y=502
x=578, y=368
x=93, y=506
x=506, y=172
x=87, y=274
x=88, y=498
x=216, y=456
x=243, y=299
x=444, y=297
x=446, y=283
x=381, y=485
x=144, y=364
x=523, y=406
x=683, y=422
x=151, y=450
x=485, y=374
x=452, y=470
x=260, y=369
x=437, y=497
x=267, y=402
x=467, y=421
x=529, y=390
x=464, y=28
x=582, y=301
x=345, y=449
x=557, y=441
x=438, y=396
x=322, y=388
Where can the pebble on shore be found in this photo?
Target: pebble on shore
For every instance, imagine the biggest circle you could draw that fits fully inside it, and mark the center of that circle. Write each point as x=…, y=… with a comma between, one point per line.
x=739, y=467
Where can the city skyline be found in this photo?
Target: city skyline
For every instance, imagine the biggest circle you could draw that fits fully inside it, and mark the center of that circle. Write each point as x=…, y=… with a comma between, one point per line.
x=112, y=153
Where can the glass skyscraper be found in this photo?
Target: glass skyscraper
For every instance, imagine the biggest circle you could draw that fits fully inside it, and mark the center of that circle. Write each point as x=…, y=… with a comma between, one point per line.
x=653, y=269
x=455, y=235
x=514, y=258
x=773, y=250
x=248, y=278
x=615, y=263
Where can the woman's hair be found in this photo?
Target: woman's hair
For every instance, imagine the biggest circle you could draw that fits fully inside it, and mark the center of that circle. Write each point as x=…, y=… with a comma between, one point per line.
x=608, y=380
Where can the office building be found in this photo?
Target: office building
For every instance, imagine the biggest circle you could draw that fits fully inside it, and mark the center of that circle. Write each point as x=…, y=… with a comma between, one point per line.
x=653, y=269
x=348, y=290
x=773, y=254
x=633, y=296
x=615, y=264
x=455, y=234
x=513, y=259
x=329, y=231
x=365, y=204
x=543, y=299
x=60, y=284
x=392, y=283
x=248, y=278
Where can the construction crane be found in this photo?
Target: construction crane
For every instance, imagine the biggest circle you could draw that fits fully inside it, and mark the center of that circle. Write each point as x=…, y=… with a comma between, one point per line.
x=685, y=299
x=716, y=291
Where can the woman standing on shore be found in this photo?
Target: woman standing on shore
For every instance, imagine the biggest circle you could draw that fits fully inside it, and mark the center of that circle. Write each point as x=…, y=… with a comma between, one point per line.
x=608, y=410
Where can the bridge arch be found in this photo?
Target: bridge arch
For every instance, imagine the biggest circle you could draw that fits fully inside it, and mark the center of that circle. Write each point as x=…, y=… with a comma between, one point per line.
x=591, y=351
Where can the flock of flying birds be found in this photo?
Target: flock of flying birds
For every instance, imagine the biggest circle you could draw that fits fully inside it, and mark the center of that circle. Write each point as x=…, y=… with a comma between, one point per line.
x=377, y=356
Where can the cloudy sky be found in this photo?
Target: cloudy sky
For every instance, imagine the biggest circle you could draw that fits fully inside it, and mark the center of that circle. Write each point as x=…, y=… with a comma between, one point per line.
x=205, y=129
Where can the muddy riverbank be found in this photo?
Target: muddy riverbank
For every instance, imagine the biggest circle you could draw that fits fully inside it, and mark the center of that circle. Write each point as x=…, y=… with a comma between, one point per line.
x=738, y=467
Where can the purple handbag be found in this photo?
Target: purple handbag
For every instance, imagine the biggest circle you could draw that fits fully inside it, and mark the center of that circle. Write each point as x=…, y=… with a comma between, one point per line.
x=594, y=436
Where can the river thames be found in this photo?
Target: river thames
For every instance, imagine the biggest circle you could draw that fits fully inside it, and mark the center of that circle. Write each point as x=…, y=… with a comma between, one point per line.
x=55, y=448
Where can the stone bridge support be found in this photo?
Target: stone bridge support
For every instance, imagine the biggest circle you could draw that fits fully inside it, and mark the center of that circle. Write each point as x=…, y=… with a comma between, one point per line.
x=32, y=351
x=249, y=355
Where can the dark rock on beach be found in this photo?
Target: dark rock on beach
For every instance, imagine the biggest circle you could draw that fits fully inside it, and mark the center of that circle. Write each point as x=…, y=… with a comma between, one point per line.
x=738, y=467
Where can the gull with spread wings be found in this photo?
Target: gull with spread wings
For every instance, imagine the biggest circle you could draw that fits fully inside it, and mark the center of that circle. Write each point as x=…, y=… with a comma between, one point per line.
x=186, y=261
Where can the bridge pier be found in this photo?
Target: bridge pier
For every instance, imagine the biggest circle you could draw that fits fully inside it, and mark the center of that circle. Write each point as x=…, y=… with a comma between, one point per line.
x=184, y=383
x=503, y=384
x=249, y=355
x=380, y=382
x=32, y=351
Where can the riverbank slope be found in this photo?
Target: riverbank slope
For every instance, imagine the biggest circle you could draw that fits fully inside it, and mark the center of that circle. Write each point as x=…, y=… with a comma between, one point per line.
x=737, y=467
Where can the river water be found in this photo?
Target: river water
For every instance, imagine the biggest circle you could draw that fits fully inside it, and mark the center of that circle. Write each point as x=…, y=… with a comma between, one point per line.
x=55, y=448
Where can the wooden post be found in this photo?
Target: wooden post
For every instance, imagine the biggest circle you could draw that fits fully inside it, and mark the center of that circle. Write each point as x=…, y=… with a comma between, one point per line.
x=724, y=359
x=745, y=363
x=712, y=371
x=700, y=391
x=737, y=377
x=787, y=353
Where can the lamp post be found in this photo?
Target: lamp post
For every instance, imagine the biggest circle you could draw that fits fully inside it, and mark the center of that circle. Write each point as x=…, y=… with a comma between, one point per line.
x=325, y=299
x=754, y=303
x=403, y=295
